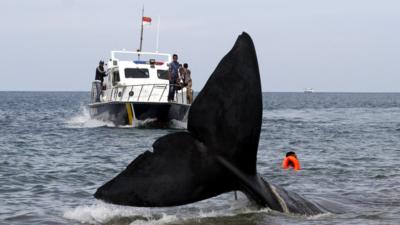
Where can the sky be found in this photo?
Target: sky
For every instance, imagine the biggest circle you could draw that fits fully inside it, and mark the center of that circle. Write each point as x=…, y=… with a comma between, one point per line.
x=327, y=45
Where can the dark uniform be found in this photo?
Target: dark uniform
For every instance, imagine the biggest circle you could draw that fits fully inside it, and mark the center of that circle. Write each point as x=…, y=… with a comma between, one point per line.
x=173, y=78
x=100, y=73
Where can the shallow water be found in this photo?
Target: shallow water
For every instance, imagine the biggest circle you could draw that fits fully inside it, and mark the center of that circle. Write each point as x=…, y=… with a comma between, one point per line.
x=53, y=157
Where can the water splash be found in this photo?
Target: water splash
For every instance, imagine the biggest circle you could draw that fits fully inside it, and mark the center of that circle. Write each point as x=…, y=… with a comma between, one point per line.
x=103, y=213
x=83, y=120
x=177, y=124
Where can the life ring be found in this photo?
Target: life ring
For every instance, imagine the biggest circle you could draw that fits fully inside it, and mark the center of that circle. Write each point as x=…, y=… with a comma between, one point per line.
x=291, y=161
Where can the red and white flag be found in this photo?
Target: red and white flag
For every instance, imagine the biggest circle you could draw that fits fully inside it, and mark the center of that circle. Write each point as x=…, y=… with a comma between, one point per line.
x=146, y=20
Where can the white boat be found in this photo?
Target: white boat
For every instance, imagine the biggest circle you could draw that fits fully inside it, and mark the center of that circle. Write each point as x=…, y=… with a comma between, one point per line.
x=136, y=88
x=308, y=90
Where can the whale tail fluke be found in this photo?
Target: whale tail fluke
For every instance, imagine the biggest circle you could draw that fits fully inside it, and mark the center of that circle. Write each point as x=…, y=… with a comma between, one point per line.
x=178, y=171
x=217, y=154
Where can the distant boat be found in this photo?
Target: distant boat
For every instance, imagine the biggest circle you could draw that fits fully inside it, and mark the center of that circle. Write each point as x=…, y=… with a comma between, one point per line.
x=308, y=90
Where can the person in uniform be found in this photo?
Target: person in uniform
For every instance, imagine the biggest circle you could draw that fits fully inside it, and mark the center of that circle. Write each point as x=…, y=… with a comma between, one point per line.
x=173, y=75
x=188, y=83
x=100, y=74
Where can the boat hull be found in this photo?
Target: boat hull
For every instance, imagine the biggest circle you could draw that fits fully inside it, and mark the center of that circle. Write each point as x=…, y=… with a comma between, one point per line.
x=129, y=113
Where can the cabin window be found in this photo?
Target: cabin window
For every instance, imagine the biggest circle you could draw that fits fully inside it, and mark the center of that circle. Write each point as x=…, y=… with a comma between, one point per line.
x=115, y=78
x=136, y=73
x=162, y=74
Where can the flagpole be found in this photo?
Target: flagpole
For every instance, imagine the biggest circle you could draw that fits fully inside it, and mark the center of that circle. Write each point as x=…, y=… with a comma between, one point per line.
x=141, y=30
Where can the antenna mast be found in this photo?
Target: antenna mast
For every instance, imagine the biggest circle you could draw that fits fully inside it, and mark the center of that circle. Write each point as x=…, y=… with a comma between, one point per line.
x=141, y=30
x=158, y=33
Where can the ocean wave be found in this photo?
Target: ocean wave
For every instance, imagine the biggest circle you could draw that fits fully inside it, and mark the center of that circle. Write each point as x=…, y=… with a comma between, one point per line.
x=83, y=120
x=104, y=213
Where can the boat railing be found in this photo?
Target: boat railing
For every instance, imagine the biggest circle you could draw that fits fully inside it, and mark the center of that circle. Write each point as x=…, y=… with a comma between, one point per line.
x=165, y=56
x=145, y=93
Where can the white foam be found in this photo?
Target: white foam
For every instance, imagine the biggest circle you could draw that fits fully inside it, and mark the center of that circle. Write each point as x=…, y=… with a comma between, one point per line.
x=320, y=216
x=83, y=120
x=177, y=124
x=161, y=220
x=144, y=123
x=101, y=212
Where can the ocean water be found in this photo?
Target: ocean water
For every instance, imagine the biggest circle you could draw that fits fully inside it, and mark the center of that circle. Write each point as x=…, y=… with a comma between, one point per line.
x=53, y=157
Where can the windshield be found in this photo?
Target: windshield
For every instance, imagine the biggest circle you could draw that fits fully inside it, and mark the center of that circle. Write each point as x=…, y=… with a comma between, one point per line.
x=162, y=74
x=136, y=73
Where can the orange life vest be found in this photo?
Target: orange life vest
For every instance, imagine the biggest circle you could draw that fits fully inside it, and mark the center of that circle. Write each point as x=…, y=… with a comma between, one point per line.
x=291, y=161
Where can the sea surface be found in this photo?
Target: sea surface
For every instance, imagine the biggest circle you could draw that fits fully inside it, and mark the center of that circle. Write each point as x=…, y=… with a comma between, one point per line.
x=53, y=157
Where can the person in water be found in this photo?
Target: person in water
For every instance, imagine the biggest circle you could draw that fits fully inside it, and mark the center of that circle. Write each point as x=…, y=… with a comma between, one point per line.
x=173, y=73
x=291, y=161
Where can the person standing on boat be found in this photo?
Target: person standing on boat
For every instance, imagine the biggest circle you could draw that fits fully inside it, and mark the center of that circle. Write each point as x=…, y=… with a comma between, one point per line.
x=181, y=79
x=100, y=74
x=188, y=83
x=173, y=77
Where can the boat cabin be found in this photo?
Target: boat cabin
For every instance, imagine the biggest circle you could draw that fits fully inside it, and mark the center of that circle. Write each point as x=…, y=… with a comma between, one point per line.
x=137, y=77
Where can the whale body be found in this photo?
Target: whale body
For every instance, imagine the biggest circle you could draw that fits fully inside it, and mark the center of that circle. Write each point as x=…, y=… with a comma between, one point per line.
x=217, y=153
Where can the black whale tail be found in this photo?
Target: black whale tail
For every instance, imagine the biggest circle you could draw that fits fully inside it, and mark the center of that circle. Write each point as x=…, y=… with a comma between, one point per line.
x=218, y=153
x=220, y=145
